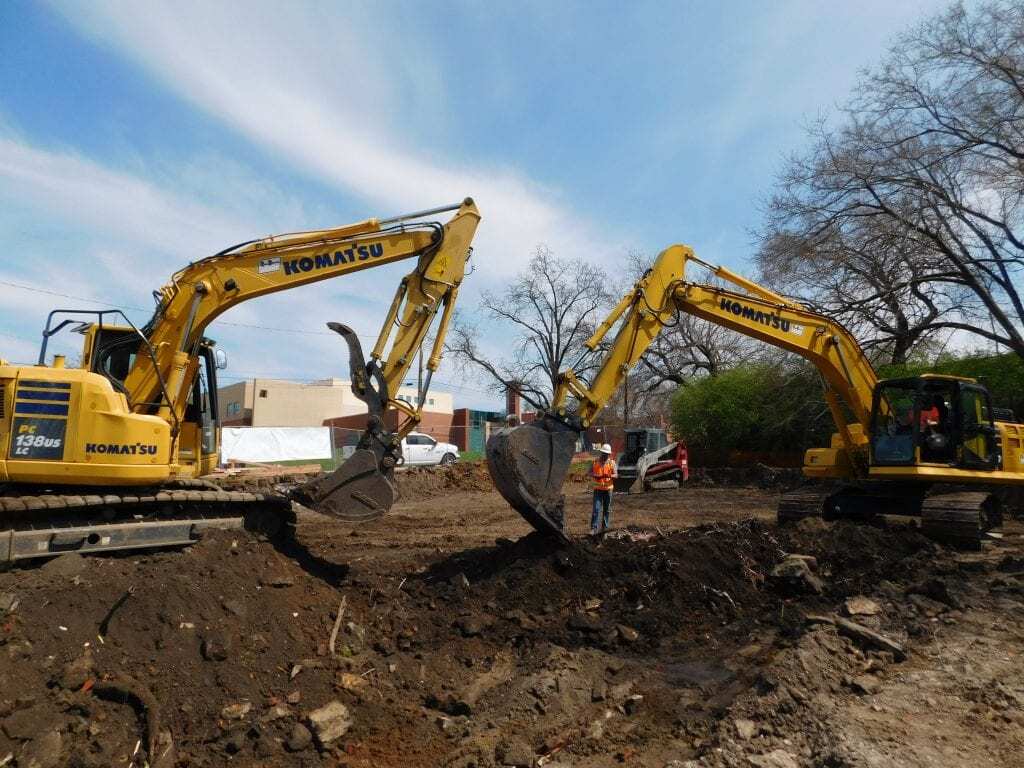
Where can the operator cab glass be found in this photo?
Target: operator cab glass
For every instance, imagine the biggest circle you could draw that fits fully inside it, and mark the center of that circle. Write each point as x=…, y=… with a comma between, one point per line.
x=928, y=420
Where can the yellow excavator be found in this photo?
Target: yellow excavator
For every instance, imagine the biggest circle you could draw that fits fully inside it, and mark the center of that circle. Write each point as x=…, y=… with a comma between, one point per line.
x=110, y=455
x=932, y=446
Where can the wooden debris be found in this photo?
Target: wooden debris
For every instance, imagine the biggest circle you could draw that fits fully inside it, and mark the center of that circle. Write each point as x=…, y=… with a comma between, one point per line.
x=337, y=625
x=859, y=632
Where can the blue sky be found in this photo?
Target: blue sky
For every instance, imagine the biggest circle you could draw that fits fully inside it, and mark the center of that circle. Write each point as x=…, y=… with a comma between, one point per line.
x=137, y=136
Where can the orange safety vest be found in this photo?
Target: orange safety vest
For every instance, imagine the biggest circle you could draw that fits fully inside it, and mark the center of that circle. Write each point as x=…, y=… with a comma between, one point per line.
x=603, y=475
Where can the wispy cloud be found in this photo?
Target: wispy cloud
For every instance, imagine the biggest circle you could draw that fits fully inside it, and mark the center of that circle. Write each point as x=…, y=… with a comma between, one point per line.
x=130, y=233
x=322, y=90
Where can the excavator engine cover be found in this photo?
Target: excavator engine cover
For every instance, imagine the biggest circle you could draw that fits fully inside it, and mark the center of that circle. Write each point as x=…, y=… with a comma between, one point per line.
x=528, y=465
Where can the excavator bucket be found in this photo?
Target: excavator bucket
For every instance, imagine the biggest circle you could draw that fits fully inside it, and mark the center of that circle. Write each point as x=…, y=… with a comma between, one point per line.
x=528, y=466
x=363, y=487
x=356, y=492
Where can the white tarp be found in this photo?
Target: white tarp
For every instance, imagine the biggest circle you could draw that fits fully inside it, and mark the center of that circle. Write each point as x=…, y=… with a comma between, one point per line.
x=270, y=444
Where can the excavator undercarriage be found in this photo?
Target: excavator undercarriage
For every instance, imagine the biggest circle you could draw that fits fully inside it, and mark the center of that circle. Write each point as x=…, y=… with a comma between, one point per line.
x=42, y=522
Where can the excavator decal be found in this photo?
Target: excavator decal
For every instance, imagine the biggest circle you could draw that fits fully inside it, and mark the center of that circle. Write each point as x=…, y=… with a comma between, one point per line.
x=325, y=260
x=766, y=318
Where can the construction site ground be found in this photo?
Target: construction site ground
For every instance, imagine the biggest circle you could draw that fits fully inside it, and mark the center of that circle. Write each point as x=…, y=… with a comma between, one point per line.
x=682, y=638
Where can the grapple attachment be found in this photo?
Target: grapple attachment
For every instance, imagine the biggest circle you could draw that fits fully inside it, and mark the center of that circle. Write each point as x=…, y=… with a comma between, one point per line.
x=362, y=488
x=528, y=465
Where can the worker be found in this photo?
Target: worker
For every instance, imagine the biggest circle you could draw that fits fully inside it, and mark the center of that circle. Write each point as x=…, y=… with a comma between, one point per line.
x=604, y=473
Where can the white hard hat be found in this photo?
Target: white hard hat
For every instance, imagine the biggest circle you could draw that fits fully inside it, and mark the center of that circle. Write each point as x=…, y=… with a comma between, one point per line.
x=605, y=449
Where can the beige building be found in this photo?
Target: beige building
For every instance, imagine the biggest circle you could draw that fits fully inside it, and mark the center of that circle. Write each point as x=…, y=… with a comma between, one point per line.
x=276, y=403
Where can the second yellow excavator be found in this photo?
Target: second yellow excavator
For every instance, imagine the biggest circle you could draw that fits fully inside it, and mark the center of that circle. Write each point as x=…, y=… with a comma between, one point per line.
x=110, y=455
x=932, y=446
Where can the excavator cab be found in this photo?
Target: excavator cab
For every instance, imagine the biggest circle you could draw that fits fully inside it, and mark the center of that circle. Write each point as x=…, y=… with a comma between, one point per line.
x=934, y=420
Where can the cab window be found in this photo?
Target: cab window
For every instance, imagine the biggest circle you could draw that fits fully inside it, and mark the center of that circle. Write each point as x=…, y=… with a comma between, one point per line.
x=894, y=423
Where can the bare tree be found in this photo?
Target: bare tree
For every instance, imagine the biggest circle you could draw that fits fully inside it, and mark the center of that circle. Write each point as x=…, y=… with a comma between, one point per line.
x=552, y=306
x=871, y=275
x=932, y=145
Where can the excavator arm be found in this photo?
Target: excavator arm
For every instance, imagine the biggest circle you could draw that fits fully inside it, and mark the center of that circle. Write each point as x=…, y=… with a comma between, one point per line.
x=199, y=293
x=362, y=488
x=529, y=463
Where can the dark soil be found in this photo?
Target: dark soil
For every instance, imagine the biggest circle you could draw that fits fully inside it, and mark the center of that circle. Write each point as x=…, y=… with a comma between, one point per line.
x=645, y=647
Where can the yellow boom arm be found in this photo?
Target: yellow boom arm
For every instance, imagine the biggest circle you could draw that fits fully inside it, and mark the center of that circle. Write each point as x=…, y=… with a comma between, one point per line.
x=754, y=311
x=200, y=292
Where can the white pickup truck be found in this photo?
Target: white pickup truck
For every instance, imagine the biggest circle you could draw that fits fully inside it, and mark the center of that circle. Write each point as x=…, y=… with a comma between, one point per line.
x=422, y=450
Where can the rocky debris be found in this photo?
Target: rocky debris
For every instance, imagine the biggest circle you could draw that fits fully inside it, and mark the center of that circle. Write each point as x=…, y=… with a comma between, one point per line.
x=352, y=683
x=235, y=742
x=74, y=675
x=330, y=722
x=777, y=758
x=299, y=739
x=864, y=684
x=236, y=711
x=935, y=589
x=66, y=566
x=474, y=626
x=236, y=608
x=356, y=634
x=862, y=634
x=44, y=751
x=793, y=577
x=516, y=753
x=627, y=634
x=632, y=703
x=275, y=713
x=280, y=581
x=8, y=603
x=599, y=690
x=930, y=608
x=861, y=606
x=215, y=648
x=745, y=729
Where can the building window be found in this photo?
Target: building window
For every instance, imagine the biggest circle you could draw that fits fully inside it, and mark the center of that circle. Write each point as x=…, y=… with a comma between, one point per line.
x=263, y=393
x=431, y=401
x=234, y=409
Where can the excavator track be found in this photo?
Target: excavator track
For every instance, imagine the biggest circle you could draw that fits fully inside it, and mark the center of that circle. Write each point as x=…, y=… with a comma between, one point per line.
x=959, y=519
x=802, y=503
x=48, y=524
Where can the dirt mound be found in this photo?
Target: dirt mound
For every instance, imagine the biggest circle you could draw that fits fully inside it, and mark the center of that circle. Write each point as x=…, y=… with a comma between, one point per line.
x=635, y=644
x=428, y=482
x=587, y=594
